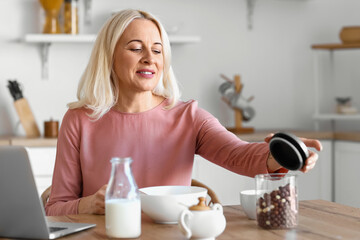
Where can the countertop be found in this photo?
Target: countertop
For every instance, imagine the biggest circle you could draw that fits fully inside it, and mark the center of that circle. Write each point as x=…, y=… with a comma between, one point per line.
x=28, y=142
x=320, y=135
x=257, y=136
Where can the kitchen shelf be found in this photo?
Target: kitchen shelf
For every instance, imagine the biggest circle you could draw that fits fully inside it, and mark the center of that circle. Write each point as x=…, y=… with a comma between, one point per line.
x=60, y=38
x=335, y=46
x=337, y=116
x=90, y=38
x=317, y=76
x=45, y=41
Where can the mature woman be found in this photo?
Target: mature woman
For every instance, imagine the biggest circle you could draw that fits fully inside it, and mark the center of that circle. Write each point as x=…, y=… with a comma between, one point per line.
x=128, y=105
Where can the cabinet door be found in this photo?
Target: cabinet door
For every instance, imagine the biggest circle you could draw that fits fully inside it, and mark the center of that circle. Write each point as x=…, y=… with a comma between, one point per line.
x=42, y=161
x=316, y=184
x=347, y=177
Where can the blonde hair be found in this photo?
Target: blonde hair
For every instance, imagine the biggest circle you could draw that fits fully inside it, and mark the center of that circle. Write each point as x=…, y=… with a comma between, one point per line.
x=98, y=88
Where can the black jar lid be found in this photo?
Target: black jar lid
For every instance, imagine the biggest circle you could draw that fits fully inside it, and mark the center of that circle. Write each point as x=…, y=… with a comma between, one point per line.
x=288, y=150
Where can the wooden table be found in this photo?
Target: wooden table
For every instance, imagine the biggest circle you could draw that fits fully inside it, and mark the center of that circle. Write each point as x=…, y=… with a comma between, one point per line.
x=318, y=219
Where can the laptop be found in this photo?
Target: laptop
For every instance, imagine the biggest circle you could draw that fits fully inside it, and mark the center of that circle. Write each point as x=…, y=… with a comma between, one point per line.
x=22, y=214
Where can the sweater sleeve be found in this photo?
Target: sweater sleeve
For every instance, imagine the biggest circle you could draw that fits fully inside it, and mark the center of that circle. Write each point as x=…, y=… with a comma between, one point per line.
x=216, y=144
x=66, y=186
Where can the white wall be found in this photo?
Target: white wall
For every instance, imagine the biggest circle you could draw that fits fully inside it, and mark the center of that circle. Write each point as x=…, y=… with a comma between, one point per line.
x=274, y=59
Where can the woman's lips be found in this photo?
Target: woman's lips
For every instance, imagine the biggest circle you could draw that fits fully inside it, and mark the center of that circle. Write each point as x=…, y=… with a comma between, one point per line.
x=145, y=73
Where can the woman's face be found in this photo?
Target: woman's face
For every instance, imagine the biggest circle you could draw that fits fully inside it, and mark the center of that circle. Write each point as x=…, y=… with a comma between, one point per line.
x=138, y=57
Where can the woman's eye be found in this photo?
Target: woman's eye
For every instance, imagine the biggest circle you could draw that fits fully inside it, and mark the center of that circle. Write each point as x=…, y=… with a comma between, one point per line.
x=157, y=51
x=135, y=49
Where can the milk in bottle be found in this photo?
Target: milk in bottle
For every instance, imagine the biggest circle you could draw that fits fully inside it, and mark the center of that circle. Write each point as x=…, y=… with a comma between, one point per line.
x=122, y=202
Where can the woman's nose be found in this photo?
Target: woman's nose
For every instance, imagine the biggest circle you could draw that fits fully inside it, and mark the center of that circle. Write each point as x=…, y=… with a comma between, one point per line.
x=148, y=57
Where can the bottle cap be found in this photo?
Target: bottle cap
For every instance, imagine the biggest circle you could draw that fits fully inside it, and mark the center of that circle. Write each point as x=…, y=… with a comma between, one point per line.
x=288, y=150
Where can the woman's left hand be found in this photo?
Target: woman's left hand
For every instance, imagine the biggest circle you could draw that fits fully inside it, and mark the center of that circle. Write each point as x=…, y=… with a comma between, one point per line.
x=313, y=156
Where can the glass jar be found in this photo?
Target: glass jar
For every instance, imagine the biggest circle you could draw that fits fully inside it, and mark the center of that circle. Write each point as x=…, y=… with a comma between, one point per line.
x=52, y=9
x=71, y=17
x=276, y=200
x=122, y=201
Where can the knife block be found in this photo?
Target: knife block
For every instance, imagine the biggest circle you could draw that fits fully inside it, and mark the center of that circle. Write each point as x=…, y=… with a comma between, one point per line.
x=26, y=118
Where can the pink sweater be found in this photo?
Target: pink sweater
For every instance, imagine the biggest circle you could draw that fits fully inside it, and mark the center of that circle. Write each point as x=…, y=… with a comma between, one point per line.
x=162, y=144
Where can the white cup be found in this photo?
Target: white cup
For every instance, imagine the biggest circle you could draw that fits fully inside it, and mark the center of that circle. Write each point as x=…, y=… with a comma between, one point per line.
x=248, y=203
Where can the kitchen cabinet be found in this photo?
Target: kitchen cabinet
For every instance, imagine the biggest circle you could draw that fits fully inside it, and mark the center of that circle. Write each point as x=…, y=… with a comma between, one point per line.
x=41, y=152
x=45, y=41
x=315, y=184
x=318, y=183
x=42, y=160
x=347, y=177
x=329, y=115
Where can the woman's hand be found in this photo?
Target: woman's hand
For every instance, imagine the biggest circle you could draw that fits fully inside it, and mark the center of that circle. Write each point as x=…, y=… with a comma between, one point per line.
x=310, y=161
x=93, y=204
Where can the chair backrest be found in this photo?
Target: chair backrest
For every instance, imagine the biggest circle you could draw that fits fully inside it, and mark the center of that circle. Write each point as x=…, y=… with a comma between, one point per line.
x=45, y=195
x=213, y=197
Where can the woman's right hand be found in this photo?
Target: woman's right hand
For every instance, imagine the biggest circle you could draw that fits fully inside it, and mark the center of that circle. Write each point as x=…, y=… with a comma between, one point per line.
x=93, y=204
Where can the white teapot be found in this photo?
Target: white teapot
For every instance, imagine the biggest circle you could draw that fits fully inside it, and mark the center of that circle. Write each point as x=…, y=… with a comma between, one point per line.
x=202, y=222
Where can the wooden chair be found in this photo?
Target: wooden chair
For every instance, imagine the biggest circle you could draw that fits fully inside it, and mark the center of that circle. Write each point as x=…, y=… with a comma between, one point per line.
x=45, y=195
x=213, y=197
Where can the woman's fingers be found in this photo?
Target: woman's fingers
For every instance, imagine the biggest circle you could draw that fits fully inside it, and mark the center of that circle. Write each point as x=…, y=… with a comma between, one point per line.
x=99, y=203
x=313, y=143
x=310, y=162
x=93, y=204
x=268, y=137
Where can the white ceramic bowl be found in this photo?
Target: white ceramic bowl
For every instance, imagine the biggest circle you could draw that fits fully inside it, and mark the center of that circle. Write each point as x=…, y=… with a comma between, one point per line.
x=248, y=203
x=164, y=204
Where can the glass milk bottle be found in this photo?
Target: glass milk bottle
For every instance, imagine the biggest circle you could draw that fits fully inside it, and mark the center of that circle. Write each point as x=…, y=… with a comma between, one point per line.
x=122, y=201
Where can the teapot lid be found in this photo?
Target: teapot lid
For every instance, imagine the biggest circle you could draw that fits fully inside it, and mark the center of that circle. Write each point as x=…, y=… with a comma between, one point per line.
x=201, y=206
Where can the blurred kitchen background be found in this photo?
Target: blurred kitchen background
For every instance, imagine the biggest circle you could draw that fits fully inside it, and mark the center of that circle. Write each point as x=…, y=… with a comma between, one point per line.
x=267, y=42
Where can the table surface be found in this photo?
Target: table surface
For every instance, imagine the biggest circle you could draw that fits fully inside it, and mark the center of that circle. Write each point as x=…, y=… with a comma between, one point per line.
x=318, y=219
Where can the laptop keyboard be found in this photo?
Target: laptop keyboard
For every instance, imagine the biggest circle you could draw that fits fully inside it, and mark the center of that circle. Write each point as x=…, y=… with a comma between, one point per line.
x=55, y=229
